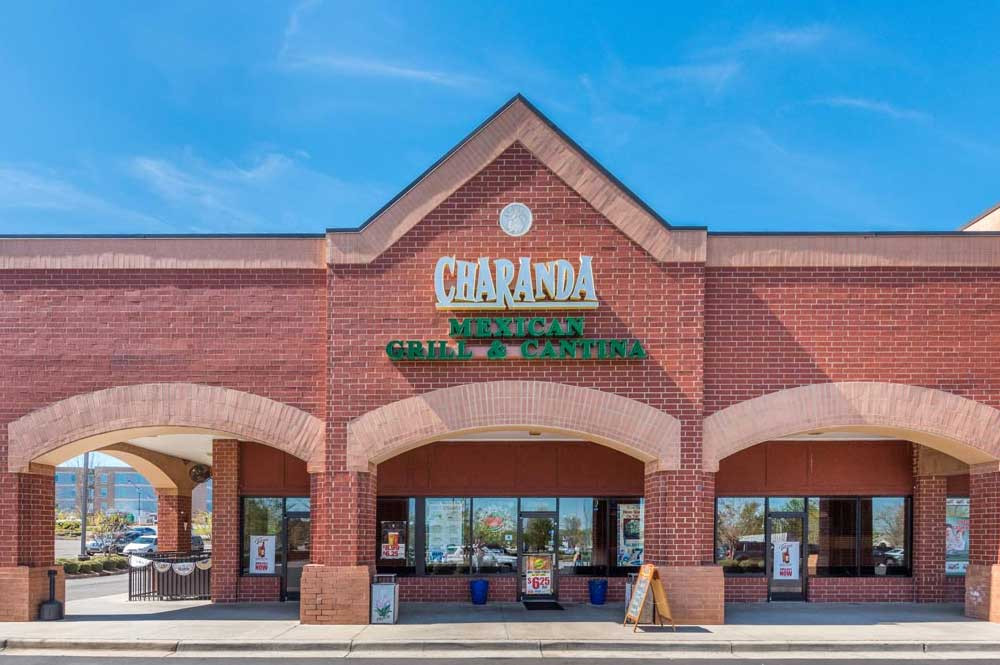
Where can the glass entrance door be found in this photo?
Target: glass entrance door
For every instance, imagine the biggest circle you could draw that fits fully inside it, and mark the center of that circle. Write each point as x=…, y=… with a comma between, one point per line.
x=786, y=552
x=537, y=556
x=297, y=539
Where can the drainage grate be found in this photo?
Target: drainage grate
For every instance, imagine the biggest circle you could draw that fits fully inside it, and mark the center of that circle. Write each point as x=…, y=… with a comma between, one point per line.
x=542, y=605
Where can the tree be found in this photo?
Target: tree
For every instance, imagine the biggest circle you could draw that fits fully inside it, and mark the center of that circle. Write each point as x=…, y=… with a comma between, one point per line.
x=107, y=525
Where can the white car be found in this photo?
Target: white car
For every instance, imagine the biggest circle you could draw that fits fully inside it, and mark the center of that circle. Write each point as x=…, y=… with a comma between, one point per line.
x=141, y=545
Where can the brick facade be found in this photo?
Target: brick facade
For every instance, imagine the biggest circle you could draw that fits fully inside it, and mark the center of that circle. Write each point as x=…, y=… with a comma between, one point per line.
x=286, y=338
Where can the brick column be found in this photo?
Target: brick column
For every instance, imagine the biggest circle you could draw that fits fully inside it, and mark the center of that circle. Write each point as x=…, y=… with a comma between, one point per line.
x=982, y=579
x=225, y=521
x=335, y=585
x=930, y=497
x=29, y=521
x=679, y=519
x=173, y=520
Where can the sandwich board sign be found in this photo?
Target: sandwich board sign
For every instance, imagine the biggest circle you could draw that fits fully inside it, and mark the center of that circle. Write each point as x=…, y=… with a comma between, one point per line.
x=649, y=578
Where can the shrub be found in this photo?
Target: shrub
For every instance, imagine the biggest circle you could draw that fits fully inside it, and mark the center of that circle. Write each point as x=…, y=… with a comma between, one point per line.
x=90, y=566
x=109, y=564
x=121, y=562
x=71, y=567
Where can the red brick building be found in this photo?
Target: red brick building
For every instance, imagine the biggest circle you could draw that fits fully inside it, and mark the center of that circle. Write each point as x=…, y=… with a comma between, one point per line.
x=517, y=371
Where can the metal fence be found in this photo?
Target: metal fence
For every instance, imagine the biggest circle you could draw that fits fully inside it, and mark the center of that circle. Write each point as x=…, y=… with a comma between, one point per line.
x=170, y=576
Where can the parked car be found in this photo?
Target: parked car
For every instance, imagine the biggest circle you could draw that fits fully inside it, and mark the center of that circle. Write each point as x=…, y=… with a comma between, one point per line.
x=124, y=539
x=197, y=544
x=141, y=545
x=99, y=545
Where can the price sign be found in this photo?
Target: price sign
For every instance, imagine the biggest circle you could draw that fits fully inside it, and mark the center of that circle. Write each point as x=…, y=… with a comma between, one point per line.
x=538, y=576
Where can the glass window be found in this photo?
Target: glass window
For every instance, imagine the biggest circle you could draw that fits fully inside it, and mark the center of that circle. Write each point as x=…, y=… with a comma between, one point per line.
x=262, y=516
x=538, y=505
x=104, y=492
x=104, y=478
x=395, y=551
x=956, y=536
x=296, y=504
x=576, y=532
x=739, y=534
x=628, y=534
x=784, y=504
x=884, y=548
x=446, y=536
x=833, y=537
x=494, y=535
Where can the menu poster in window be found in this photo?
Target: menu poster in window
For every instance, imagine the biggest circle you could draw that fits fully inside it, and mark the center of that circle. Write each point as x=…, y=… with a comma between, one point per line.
x=262, y=555
x=538, y=575
x=629, y=534
x=786, y=561
x=393, y=540
x=445, y=522
x=956, y=536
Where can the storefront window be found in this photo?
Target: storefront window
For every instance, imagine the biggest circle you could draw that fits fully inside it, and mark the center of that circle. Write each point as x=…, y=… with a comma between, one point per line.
x=833, y=540
x=262, y=521
x=884, y=548
x=576, y=534
x=786, y=504
x=628, y=534
x=533, y=504
x=446, y=536
x=396, y=547
x=739, y=534
x=494, y=535
x=956, y=536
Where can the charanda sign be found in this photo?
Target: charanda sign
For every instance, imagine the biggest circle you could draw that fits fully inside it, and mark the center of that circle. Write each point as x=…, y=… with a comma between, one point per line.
x=501, y=284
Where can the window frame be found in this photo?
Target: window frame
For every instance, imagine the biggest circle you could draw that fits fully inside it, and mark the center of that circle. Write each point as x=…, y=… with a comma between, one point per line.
x=909, y=517
x=419, y=569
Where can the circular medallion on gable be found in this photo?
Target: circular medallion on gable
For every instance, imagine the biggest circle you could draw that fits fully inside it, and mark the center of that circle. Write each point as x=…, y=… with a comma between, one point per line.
x=515, y=219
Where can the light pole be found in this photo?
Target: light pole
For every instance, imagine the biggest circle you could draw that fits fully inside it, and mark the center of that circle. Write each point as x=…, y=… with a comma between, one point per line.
x=138, y=494
x=83, y=506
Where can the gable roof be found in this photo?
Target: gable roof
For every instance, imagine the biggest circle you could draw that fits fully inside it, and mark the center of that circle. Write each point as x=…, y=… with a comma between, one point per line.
x=986, y=221
x=517, y=121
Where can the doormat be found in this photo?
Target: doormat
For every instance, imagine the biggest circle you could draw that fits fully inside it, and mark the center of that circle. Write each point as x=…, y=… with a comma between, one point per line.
x=542, y=605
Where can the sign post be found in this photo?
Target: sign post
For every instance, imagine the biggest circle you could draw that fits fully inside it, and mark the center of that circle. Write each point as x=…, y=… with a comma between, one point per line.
x=649, y=578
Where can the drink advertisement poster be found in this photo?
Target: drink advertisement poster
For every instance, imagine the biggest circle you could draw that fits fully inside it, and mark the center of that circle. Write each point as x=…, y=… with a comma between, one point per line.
x=262, y=555
x=538, y=575
x=629, y=534
x=393, y=540
x=786, y=561
x=956, y=536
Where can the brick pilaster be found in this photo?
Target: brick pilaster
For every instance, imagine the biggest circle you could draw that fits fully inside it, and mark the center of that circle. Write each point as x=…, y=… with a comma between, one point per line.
x=930, y=496
x=679, y=507
x=26, y=564
x=982, y=579
x=335, y=586
x=173, y=520
x=225, y=521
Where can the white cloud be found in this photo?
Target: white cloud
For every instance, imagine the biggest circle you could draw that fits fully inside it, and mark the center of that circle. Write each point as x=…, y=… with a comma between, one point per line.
x=875, y=106
x=27, y=189
x=711, y=76
x=273, y=193
x=372, y=67
x=762, y=39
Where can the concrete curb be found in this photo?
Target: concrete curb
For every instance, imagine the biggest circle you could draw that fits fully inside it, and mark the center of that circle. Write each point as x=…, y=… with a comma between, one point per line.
x=511, y=648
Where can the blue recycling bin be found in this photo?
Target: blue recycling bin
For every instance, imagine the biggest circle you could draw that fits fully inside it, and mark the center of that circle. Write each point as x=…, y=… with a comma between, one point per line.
x=479, y=589
x=598, y=591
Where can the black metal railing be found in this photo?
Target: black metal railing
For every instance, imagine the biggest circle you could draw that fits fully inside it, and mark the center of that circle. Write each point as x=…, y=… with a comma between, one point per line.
x=170, y=576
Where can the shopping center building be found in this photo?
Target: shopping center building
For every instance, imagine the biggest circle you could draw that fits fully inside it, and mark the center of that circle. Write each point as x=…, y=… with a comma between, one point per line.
x=518, y=371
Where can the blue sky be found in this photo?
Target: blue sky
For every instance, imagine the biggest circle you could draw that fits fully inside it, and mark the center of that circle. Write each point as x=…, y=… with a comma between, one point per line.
x=192, y=117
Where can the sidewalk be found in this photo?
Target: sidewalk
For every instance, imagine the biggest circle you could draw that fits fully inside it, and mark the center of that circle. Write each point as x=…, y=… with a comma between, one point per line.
x=112, y=624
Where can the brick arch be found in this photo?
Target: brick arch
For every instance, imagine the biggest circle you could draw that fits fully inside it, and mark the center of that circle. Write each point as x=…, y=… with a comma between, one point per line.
x=618, y=422
x=94, y=420
x=960, y=427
